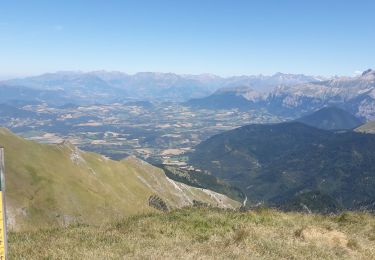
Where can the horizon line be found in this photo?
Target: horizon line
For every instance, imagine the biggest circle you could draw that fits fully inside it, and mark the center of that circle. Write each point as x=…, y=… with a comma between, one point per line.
x=27, y=75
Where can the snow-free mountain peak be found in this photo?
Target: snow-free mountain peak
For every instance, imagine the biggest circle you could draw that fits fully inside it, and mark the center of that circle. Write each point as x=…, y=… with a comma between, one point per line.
x=331, y=118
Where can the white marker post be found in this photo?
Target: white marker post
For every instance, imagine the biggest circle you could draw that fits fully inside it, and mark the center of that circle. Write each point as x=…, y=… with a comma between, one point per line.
x=3, y=224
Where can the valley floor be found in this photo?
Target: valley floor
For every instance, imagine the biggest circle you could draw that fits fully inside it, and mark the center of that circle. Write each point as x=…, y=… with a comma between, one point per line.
x=206, y=234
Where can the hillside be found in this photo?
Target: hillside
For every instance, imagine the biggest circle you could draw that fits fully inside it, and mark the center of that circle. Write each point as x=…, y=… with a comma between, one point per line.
x=8, y=111
x=206, y=234
x=331, y=118
x=228, y=98
x=51, y=185
x=23, y=95
x=368, y=128
x=203, y=180
x=276, y=164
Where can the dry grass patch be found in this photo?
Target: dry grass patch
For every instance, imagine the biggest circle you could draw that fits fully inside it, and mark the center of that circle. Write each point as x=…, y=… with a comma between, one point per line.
x=321, y=235
x=205, y=234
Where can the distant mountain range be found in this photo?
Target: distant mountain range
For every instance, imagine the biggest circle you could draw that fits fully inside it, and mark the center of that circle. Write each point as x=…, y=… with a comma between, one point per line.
x=49, y=185
x=285, y=95
x=103, y=86
x=354, y=94
x=294, y=166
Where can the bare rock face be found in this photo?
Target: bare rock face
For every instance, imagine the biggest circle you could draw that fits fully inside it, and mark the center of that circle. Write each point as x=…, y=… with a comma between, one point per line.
x=354, y=94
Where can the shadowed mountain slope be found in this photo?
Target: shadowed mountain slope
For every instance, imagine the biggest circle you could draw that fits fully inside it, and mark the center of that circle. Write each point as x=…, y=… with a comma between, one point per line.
x=331, y=118
x=277, y=163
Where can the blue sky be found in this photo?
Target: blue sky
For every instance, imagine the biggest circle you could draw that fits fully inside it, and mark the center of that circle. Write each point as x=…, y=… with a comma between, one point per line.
x=230, y=37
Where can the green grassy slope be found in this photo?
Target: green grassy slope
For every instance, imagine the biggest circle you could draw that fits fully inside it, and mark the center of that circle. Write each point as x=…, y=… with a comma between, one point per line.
x=58, y=185
x=206, y=234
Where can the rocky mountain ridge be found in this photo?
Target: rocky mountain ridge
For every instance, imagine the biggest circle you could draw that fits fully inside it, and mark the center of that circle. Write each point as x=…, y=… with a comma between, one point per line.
x=353, y=94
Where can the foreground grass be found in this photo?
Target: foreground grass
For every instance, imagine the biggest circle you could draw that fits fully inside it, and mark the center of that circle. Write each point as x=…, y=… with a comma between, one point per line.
x=206, y=234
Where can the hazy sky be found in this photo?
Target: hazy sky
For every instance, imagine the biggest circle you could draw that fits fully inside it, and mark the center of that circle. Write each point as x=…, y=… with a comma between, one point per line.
x=186, y=36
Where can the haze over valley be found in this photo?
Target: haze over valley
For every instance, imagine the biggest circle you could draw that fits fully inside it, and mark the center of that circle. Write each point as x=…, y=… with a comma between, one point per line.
x=187, y=129
x=108, y=112
x=110, y=117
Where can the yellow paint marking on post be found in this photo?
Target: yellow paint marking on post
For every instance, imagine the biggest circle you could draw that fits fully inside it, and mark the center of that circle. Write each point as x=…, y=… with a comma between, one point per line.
x=3, y=225
x=2, y=229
